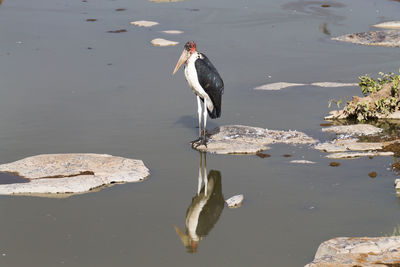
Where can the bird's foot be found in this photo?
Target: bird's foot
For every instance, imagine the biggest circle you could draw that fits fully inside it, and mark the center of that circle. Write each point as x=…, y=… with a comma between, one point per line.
x=199, y=141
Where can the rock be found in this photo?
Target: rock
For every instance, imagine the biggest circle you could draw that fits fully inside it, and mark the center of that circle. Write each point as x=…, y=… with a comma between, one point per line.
x=173, y=32
x=277, y=86
x=144, y=23
x=397, y=184
x=71, y=173
x=330, y=147
x=347, y=155
x=282, y=85
x=302, y=161
x=163, y=42
x=342, y=145
x=387, y=38
x=239, y=139
x=388, y=25
x=235, y=201
x=358, y=251
x=355, y=129
x=334, y=84
x=335, y=115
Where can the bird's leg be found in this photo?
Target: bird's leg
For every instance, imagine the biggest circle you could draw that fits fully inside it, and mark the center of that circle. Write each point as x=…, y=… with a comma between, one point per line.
x=197, y=142
x=199, y=113
x=204, y=141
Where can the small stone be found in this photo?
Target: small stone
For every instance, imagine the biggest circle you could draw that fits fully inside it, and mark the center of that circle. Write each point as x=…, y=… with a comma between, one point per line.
x=372, y=174
x=334, y=164
x=163, y=42
x=144, y=23
x=235, y=201
x=277, y=86
x=263, y=155
x=302, y=161
x=173, y=32
x=117, y=31
x=287, y=155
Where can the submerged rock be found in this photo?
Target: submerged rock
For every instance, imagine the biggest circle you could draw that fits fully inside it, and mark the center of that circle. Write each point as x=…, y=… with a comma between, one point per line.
x=354, y=129
x=71, y=173
x=348, y=155
x=358, y=251
x=173, y=32
x=239, y=139
x=334, y=84
x=302, y=161
x=144, y=23
x=350, y=144
x=387, y=38
x=163, y=42
x=388, y=25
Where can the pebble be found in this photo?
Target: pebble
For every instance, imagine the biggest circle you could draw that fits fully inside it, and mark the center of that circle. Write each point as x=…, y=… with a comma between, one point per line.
x=144, y=23
x=173, y=32
x=163, y=42
x=235, y=201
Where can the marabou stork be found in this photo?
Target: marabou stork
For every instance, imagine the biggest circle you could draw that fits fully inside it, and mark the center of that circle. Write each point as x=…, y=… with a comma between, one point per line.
x=205, y=82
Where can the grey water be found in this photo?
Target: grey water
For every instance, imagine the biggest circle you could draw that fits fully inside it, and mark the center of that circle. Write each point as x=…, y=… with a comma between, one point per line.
x=69, y=85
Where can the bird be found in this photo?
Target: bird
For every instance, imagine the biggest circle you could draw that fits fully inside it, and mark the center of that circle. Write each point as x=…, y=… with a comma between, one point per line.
x=205, y=81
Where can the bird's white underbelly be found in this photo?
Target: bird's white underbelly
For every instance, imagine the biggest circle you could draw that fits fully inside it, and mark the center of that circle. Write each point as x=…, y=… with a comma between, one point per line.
x=193, y=81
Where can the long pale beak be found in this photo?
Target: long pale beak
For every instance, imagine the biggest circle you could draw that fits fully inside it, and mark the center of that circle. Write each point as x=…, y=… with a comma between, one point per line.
x=184, y=56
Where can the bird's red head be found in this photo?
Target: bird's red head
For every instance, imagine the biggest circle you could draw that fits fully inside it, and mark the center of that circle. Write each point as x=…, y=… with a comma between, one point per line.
x=188, y=50
x=190, y=46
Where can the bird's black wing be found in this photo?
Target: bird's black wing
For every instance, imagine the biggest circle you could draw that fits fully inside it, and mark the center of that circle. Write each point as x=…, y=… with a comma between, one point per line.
x=211, y=82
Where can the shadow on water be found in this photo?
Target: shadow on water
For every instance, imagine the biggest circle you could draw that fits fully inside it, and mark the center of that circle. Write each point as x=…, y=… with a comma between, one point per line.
x=9, y=178
x=205, y=209
x=191, y=123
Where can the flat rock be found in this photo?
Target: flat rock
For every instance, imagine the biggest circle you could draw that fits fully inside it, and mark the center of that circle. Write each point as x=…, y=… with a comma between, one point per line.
x=387, y=38
x=277, y=86
x=239, y=139
x=388, y=25
x=397, y=184
x=163, y=42
x=71, y=173
x=302, y=161
x=172, y=32
x=345, y=145
x=355, y=129
x=358, y=251
x=334, y=84
x=144, y=23
x=281, y=85
x=348, y=155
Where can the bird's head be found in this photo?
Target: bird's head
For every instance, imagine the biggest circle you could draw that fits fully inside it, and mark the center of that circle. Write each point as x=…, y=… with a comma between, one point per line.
x=188, y=50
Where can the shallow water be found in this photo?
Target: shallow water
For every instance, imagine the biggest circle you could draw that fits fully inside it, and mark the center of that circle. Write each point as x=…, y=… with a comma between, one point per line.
x=119, y=97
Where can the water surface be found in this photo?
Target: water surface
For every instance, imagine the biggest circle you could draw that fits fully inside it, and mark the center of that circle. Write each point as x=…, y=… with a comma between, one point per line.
x=58, y=96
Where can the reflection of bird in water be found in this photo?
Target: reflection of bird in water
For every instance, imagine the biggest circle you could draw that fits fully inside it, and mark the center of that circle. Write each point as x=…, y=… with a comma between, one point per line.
x=205, y=82
x=205, y=209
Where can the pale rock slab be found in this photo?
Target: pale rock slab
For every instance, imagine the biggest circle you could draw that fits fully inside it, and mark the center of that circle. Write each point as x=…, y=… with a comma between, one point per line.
x=240, y=139
x=302, y=161
x=387, y=38
x=389, y=25
x=358, y=251
x=235, y=201
x=163, y=42
x=348, y=155
x=144, y=23
x=355, y=129
x=71, y=173
x=172, y=32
